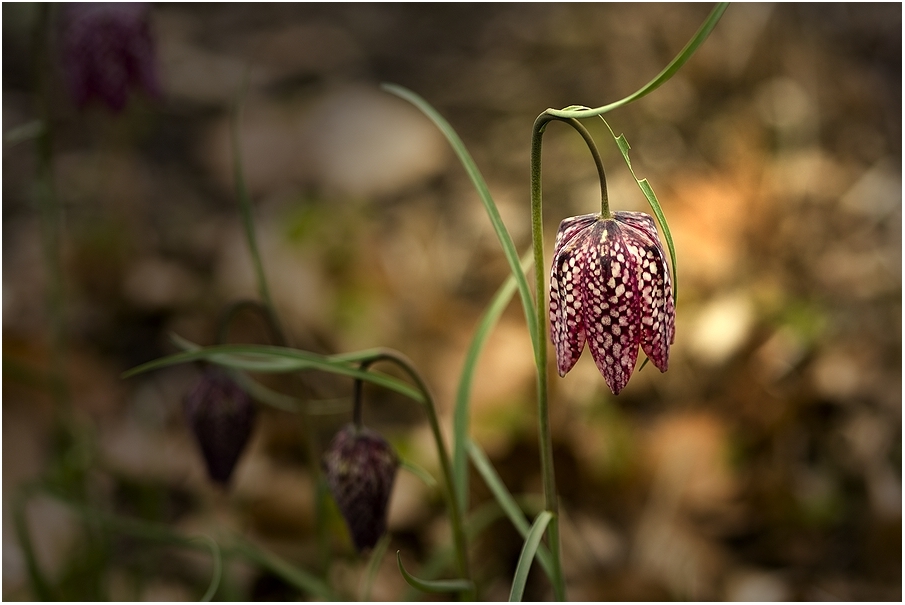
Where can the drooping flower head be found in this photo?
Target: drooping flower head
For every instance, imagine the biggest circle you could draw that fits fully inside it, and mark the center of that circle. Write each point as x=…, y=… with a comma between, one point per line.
x=221, y=416
x=107, y=49
x=360, y=467
x=610, y=287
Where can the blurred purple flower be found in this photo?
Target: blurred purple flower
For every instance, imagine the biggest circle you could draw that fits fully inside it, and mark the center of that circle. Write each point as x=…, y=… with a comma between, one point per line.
x=610, y=286
x=221, y=416
x=360, y=467
x=107, y=49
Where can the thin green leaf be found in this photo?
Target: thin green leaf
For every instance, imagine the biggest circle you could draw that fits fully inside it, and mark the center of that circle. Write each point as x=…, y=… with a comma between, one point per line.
x=254, y=362
x=433, y=586
x=24, y=132
x=461, y=413
x=258, y=391
x=373, y=565
x=497, y=487
x=478, y=520
x=442, y=558
x=527, y=557
x=293, y=575
x=668, y=72
x=159, y=532
x=624, y=147
x=266, y=395
x=484, y=192
x=266, y=358
x=648, y=192
x=419, y=472
x=218, y=568
x=507, y=502
x=183, y=343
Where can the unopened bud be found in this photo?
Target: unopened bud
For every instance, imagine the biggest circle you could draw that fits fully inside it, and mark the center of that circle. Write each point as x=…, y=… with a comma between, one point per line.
x=360, y=467
x=221, y=415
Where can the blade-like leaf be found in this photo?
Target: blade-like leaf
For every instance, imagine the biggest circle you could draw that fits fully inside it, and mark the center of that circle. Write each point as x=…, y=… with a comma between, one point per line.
x=264, y=394
x=461, y=412
x=442, y=558
x=373, y=566
x=484, y=192
x=183, y=343
x=648, y=192
x=292, y=574
x=528, y=551
x=218, y=568
x=25, y=132
x=668, y=72
x=433, y=586
x=159, y=532
x=507, y=502
x=265, y=358
x=419, y=472
x=251, y=386
x=478, y=520
x=497, y=487
x=254, y=362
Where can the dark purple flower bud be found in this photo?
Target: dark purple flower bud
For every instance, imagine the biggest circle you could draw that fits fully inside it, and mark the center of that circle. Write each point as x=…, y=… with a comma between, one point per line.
x=360, y=467
x=610, y=286
x=107, y=49
x=221, y=415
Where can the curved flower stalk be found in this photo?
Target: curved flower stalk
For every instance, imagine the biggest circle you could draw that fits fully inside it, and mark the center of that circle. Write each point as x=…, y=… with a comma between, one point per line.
x=610, y=287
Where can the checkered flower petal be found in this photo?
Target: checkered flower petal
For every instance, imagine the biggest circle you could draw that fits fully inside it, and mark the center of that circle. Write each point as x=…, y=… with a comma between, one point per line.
x=565, y=295
x=658, y=327
x=610, y=287
x=612, y=313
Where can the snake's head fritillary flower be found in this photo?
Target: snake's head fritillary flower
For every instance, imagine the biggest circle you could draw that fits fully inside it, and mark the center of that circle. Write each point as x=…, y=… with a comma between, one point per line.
x=221, y=416
x=360, y=467
x=610, y=287
x=107, y=49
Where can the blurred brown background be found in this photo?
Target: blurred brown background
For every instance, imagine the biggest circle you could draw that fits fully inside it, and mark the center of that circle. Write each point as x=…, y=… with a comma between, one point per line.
x=765, y=465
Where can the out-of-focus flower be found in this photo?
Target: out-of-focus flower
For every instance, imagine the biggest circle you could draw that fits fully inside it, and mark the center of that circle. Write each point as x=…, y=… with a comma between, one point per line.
x=107, y=49
x=360, y=467
x=610, y=286
x=221, y=416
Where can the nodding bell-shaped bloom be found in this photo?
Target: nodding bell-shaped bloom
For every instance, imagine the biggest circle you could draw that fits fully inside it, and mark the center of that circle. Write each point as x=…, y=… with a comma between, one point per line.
x=360, y=467
x=107, y=49
x=610, y=287
x=221, y=416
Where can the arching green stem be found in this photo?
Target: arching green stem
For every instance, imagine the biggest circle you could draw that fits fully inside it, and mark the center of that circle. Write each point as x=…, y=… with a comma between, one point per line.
x=458, y=528
x=543, y=414
x=598, y=162
x=357, y=393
